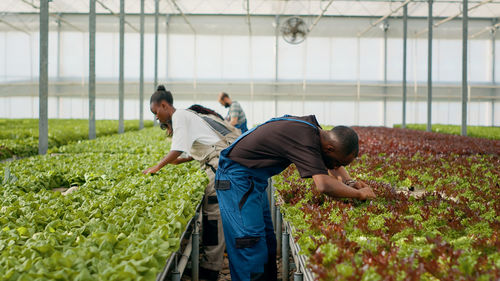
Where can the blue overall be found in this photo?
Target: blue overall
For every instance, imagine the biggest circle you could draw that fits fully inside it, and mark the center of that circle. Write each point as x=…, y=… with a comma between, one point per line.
x=243, y=127
x=246, y=219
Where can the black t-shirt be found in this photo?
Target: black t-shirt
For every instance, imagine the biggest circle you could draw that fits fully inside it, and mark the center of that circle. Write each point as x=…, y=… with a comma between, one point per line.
x=280, y=143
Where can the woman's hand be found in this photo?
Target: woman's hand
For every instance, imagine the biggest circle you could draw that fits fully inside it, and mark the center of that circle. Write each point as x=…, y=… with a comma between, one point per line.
x=151, y=170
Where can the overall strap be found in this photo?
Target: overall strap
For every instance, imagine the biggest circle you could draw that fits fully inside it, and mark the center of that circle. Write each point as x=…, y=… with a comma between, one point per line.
x=214, y=125
x=291, y=119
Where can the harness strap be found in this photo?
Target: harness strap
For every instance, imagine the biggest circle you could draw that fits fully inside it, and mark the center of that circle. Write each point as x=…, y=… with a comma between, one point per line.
x=214, y=125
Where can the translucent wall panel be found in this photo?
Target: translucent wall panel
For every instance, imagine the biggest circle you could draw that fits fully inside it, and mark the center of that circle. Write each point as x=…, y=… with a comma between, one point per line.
x=181, y=56
x=394, y=113
x=262, y=111
x=479, y=56
x=497, y=61
x=343, y=61
x=106, y=56
x=108, y=109
x=263, y=57
x=371, y=113
x=449, y=61
x=53, y=55
x=235, y=57
x=318, y=58
x=417, y=112
x=395, y=60
x=328, y=112
x=149, y=56
x=291, y=61
x=3, y=56
x=340, y=113
x=131, y=57
x=208, y=57
x=19, y=107
x=479, y=113
x=371, y=59
x=496, y=120
x=74, y=54
x=19, y=55
x=294, y=107
x=417, y=60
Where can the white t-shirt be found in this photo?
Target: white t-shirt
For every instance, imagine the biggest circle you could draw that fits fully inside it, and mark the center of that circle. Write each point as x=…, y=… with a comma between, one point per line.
x=188, y=128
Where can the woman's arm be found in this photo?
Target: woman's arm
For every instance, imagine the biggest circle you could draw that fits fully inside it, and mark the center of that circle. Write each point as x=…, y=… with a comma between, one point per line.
x=171, y=156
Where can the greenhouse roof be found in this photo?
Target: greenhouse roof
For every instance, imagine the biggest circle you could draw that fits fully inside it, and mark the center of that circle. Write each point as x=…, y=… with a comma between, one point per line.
x=374, y=8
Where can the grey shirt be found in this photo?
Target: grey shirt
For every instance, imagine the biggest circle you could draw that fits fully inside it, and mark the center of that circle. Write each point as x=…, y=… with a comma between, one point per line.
x=235, y=110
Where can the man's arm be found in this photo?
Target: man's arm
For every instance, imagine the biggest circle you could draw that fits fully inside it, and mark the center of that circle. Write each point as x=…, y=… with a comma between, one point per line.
x=234, y=121
x=342, y=174
x=335, y=188
x=168, y=159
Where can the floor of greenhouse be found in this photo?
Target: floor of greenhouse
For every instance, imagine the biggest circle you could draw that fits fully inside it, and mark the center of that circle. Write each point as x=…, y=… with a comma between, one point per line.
x=224, y=275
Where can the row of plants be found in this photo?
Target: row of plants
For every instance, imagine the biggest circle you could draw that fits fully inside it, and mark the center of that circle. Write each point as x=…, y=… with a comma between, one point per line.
x=436, y=215
x=19, y=137
x=117, y=225
x=472, y=131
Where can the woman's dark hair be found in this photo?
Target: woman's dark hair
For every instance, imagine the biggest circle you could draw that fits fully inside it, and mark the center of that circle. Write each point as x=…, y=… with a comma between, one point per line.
x=204, y=110
x=162, y=94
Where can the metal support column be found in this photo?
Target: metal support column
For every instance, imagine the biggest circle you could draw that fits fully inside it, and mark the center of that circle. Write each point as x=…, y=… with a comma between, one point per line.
x=272, y=202
x=284, y=256
x=465, y=39
x=176, y=275
x=195, y=254
x=405, y=47
x=276, y=53
x=92, y=30
x=167, y=43
x=298, y=276
x=59, y=43
x=141, y=71
x=157, y=10
x=429, y=69
x=155, y=83
x=43, y=121
x=493, y=79
x=278, y=229
x=121, y=87
x=385, y=28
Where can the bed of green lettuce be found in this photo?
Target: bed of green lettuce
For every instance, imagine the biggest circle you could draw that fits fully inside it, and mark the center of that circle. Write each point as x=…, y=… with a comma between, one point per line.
x=472, y=131
x=118, y=225
x=19, y=137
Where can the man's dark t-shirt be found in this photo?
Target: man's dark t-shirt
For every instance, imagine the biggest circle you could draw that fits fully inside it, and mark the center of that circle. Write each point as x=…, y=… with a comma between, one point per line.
x=280, y=143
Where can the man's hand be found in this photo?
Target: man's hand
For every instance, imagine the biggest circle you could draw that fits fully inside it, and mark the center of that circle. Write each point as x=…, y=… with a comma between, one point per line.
x=151, y=170
x=360, y=185
x=366, y=193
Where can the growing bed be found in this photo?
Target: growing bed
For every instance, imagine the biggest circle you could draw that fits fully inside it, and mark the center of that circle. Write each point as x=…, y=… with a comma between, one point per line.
x=436, y=216
x=118, y=225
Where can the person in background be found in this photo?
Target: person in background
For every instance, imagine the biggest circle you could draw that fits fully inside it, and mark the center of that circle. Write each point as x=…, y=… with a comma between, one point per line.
x=242, y=178
x=200, y=133
x=235, y=115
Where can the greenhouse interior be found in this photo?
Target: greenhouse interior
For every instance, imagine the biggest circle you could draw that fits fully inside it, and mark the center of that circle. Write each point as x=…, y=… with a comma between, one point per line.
x=147, y=140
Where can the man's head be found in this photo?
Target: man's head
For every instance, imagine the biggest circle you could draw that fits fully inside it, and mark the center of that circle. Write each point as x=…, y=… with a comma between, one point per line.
x=162, y=105
x=225, y=100
x=339, y=146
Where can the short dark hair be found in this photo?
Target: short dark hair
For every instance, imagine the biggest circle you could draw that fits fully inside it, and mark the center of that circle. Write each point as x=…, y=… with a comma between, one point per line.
x=224, y=95
x=348, y=139
x=162, y=94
